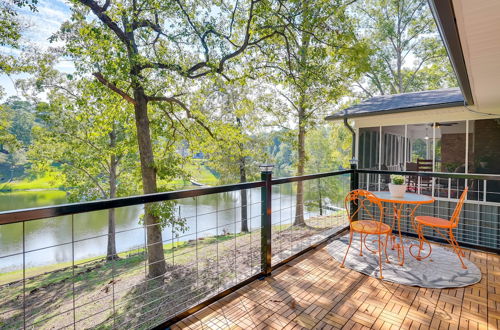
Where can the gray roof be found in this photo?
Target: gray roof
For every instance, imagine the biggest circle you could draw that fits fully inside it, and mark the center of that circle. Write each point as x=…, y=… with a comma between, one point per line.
x=386, y=104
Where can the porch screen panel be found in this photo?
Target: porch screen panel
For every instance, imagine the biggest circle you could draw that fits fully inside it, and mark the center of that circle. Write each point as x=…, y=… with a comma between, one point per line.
x=420, y=140
x=450, y=154
x=369, y=147
x=393, y=148
x=369, y=156
x=484, y=156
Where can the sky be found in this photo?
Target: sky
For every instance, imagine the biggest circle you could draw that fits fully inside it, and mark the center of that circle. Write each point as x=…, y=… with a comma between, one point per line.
x=41, y=25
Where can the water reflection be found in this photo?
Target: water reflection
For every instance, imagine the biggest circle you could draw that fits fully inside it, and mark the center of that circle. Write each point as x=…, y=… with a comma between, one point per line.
x=46, y=241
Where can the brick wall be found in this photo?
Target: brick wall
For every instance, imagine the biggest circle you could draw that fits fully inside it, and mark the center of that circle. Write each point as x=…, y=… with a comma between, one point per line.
x=452, y=151
x=487, y=143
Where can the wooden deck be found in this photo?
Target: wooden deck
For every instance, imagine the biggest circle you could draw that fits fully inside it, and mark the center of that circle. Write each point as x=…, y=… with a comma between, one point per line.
x=312, y=292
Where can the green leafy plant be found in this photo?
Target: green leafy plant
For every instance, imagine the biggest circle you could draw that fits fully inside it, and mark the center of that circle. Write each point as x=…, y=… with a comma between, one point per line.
x=397, y=179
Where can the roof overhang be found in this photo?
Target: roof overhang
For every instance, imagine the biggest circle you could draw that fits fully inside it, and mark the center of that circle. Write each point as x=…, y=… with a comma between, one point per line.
x=403, y=103
x=343, y=115
x=452, y=114
x=471, y=33
x=444, y=15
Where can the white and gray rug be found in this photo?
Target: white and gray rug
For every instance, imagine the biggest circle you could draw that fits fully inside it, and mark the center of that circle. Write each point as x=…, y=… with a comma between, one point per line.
x=441, y=270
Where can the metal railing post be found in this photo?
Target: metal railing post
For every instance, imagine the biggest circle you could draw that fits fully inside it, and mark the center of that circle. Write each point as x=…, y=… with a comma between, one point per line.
x=354, y=185
x=265, y=233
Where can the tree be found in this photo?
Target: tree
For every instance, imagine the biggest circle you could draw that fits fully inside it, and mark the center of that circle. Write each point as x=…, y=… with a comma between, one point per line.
x=146, y=52
x=314, y=66
x=10, y=38
x=407, y=54
x=11, y=28
x=22, y=114
x=237, y=151
x=18, y=119
x=329, y=148
x=88, y=134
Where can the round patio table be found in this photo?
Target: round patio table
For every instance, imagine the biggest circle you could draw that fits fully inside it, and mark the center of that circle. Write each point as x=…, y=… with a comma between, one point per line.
x=398, y=203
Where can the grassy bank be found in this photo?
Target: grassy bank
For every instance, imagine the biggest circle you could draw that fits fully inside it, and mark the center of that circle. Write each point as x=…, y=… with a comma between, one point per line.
x=46, y=181
x=199, y=172
x=65, y=267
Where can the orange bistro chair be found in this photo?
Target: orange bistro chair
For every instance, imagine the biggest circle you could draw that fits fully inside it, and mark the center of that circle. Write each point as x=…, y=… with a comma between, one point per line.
x=440, y=225
x=364, y=203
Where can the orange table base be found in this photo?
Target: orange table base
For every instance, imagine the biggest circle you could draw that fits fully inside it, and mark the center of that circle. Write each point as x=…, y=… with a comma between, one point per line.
x=398, y=205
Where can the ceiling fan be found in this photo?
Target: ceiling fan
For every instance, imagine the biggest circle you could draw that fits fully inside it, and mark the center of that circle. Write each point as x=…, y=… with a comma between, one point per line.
x=445, y=124
x=438, y=124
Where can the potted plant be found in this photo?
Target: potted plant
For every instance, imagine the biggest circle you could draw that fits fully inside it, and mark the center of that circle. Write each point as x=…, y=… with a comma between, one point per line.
x=397, y=186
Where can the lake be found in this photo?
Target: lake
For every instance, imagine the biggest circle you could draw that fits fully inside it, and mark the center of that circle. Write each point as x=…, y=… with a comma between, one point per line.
x=48, y=241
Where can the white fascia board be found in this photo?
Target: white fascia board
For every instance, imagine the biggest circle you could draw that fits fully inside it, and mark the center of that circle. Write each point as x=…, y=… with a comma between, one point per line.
x=419, y=117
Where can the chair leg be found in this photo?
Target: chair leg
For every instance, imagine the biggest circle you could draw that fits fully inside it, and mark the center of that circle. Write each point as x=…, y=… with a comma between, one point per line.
x=348, y=247
x=420, y=238
x=457, y=248
x=361, y=244
x=380, y=256
x=385, y=249
x=420, y=245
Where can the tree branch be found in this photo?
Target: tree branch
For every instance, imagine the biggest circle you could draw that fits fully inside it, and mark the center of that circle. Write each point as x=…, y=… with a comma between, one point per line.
x=100, y=13
x=174, y=100
x=114, y=88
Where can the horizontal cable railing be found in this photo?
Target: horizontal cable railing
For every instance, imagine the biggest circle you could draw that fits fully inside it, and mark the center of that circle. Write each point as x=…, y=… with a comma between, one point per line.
x=301, y=222
x=58, y=268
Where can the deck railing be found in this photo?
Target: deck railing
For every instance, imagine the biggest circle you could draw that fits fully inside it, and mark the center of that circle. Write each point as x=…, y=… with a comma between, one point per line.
x=55, y=273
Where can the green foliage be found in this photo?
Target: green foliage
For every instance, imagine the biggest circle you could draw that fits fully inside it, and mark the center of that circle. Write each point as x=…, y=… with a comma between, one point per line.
x=419, y=150
x=280, y=147
x=397, y=179
x=22, y=117
x=165, y=212
x=233, y=147
x=11, y=28
x=406, y=52
x=314, y=66
x=88, y=134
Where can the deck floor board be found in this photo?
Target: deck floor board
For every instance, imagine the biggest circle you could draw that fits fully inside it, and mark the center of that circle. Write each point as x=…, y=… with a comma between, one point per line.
x=313, y=292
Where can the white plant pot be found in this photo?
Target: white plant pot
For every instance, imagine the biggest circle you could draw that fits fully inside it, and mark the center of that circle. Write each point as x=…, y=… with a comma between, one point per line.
x=397, y=190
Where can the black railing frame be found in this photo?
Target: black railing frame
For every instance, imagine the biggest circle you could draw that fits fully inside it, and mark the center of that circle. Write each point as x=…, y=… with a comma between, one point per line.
x=265, y=229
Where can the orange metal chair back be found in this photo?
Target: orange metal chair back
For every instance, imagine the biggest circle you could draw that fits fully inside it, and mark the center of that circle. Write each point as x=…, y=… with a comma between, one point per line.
x=363, y=202
x=456, y=214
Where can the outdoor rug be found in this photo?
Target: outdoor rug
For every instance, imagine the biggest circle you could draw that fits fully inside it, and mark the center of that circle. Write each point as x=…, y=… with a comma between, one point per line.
x=441, y=270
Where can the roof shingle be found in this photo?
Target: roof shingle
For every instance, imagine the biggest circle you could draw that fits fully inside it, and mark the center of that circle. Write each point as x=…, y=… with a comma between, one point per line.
x=385, y=104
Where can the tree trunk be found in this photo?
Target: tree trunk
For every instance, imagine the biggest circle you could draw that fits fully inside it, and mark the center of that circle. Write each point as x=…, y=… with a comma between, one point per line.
x=301, y=112
x=156, y=258
x=111, y=254
x=299, y=203
x=243, y=195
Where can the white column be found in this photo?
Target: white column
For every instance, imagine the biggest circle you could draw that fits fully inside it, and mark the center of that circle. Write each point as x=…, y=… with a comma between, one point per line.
x=467, y=146
x=405, y=147
x=434, y=147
